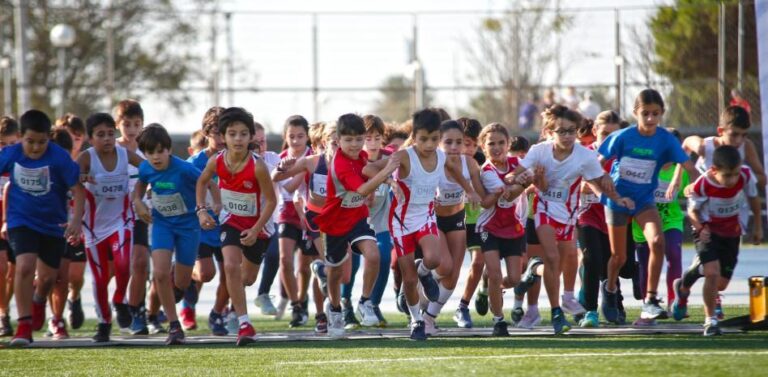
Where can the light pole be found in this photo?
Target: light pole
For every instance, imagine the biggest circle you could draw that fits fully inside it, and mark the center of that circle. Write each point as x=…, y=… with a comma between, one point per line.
x=5, y=65
x=62, y=36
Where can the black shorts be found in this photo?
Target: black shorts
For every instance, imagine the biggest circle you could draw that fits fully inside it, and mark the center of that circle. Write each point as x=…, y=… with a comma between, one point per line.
x=313, y=231
x=531, y=237
x=254, y=253
x=307, y=247
x=336, y=246
x=76, y=253
x=49, y=249
x=141, y=233
x=507, y=247
x=473, y=238
x=451, y=223
x=286, y=230
x=719, y=248
x=208, y=251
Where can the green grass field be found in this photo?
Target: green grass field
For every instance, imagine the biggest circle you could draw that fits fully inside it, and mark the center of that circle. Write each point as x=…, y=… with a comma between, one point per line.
x=744, y=354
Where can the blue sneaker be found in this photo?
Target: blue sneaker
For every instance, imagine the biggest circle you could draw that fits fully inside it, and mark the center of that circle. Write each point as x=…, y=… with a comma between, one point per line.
x=609, y=305
x=139, y=322
x=418, y=331
x=161, y=317
x=559, y=323
x=318, y=269
x=590, y=320
x=462, y=318
x=529, y=277
x=428, y=284
x=216, y=324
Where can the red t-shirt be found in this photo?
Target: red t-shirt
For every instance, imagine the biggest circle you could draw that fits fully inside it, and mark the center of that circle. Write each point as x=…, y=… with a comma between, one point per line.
x=344, y=207
x=592, y=212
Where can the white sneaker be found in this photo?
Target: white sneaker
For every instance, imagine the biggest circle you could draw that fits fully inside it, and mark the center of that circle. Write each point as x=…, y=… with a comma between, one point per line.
x=429, y=325
x=264, y=302
x=368, y=317
x=335, y=323
x=531, y=319
x=572, y=306
x=281, y=308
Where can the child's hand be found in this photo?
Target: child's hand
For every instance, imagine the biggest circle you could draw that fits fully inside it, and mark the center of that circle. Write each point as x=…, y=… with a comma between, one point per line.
x=671, y=192
x=206, y=221
x=626, y=203
x=143, y=212
x=688, y=190
x=539, y=178
x=249, y=236
x=397, y=192
x=606, y=184
x=392, y=164
x=286, y=163
x=87, y=178
x=473, y=198
x=4, y=231
x=704, y=234
x=72, y=232
x=757, y=235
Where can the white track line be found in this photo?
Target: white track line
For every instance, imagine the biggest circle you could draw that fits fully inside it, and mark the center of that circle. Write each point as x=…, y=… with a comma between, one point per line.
x=519, y=356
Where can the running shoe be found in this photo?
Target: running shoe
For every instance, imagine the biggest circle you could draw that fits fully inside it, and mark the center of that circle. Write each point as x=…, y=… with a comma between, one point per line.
x=481, y=302
x=231, y=322
x=321, y=324
x=642, y=322
x=139, y=322
x=264, y=302
x=572, y=306
x=305, y=312
x=418, y=331
x=38, y=315
x=500, y=328
x=531, y=319
x=712, y=329
x=23, y=335
x=609, y=304
x=382, y=321
x=590, y=320
x=462, y=318
x=5, y=326
x=402, y=304
x=123, y=317
x=102, y=334
x=652, y=309
x=529, y=276
x=517, y=316
x=367, y=316
x=175, y=337
x=154, y=326
x=430, y=328
x=76, y=315
x=57, y=328
x=350, y=321
x=719, y=308
x=281, y=306
x=335, y=323
x=188, y=319
x=428, y=284
x=245, y=334
x=216, y=324
x=296, y=316
x=559, y=323
x=161, y=316
x=318, y=269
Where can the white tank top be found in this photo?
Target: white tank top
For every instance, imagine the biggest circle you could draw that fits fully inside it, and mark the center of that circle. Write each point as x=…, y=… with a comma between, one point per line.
x=419, y=188
x=705, y=161
x=449, y=192
x=107, y=206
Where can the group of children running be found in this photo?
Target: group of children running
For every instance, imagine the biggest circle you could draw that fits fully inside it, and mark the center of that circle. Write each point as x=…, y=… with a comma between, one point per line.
x=584, y=200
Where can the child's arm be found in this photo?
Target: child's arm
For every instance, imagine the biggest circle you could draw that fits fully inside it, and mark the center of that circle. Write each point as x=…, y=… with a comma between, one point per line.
x=133, y=158
x=674, y=185
x=294, y=183
x=72, y=232
x=4, y=229
x=753, y=160
x=455, y=172
x=249, y=236
x=392, y=163
x=694, y=144
x=203, y=182
x=141, y=209
x=606, y=187
x=693, y=173
x=699, y=226
x=298, y=167
x=215, y=195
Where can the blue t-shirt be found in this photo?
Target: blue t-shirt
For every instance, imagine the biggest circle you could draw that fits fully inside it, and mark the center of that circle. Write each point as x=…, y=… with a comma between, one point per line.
x=638, y=162
x=38, y=194
x=173, y=192
x=209, y=237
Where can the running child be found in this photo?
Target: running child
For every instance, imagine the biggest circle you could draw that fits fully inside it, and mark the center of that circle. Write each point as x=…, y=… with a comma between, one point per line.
x=42, y=173
x=248, y=200
x=9, y=135
x=714, y=208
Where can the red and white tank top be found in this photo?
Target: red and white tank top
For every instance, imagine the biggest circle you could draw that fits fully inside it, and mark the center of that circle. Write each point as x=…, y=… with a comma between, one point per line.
x=507, y=218
x=108, y=206
x=241, y=200
x=721, y=206
x=419, y=189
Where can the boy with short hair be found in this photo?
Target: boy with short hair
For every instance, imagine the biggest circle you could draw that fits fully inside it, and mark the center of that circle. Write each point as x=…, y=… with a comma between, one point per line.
x=9, y=135
x=714, y=213
x=42, y=173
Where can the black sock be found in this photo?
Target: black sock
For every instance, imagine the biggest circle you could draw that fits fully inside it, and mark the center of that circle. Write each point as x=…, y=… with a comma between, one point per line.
x=363, y=299
x=463, y=303
x=336, y=309
x=175, y=324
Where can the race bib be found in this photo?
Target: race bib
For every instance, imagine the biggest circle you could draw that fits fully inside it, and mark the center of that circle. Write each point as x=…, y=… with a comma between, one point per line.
x=352, y=200
x=449, y=198
x=239, y=203
x=33, y=181
x=590, y=198
x=110, y=186
x=660, y=192
x=557, y=191
x=725, y=207
x=636, y=170
x=169, y=205
x=422, y=194
x=504, y=203
x=320, y=183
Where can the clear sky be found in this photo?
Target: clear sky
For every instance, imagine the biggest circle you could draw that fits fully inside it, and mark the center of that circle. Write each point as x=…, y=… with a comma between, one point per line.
x=273, y=50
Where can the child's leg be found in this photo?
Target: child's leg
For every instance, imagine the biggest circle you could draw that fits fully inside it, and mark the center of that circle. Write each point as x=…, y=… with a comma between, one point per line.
x=552, y=258
x=650, y=222
x=674, y=252
x=384, y=242
x=617, y=234
x=139, y=264
x=445, y=263
x=76, y=279
x=594, y=263
x=535, y=290
x=233, y=260
x=222, y=295
x=709, y=291
x=349, y=283
x=60, y=290
x=161, y=275
x=121, y=255
x=495, y=296
x=3, y=289
x=410, y=280
x=370, y=252
x=642, y=258
x=271, y=266
x=97, y=257
x=570, y=266
x=287, y=246
x=513, y=271
x=304, y=275
x=457, y=242
x=204, y=270
x=475, y=273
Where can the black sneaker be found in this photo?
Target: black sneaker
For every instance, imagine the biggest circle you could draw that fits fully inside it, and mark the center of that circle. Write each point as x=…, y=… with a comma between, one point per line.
x=481, y=303
x=529, y=276
x=76, y=315
x=500, y=328
x=321, y=324
x=175, y=337
x=102, y=334
x=5, y=326
x=711, y=329
x=154, y=326
x=417, y=331
x=517, y=315
x=124, y=317
x=428, y=284
x=609, y=305
x=297, y=314
x=402, y=304
x=350, y=320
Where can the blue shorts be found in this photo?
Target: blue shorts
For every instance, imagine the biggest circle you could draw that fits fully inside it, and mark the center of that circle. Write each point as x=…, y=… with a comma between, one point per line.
x=184, y=241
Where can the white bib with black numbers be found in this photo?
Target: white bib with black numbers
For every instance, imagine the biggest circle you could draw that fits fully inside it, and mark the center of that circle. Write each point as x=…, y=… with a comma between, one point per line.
x=33, y=181
x=169, y=205
x=239, y=203
x=636, y=170
x=557, y=191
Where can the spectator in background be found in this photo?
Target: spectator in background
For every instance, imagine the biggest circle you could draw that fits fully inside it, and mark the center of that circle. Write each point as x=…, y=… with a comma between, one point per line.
x=737, y=99
x=528, y=113
x=570, y=98
x=587, y=107
x=549, y=98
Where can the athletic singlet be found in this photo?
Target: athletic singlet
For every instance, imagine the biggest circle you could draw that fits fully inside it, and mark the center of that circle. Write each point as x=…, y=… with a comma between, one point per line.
x=240, y=194
x=107, y=199
x=449, y=192
x=720, y=206
x=317, y=182
x=379, y=208
x=705, y=161
x=506, y=219
x=419, y=188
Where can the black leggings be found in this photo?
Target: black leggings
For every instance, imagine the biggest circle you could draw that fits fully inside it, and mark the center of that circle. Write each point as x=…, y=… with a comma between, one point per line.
x=271, y=265
x=596, y=249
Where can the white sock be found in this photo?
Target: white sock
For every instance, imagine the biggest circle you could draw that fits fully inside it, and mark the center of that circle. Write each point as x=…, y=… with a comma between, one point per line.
x=567, y=295
x=712, y=321
x=415, y=313
x=435, y=307
x=518, y=303
x=497, y=319
x=423, y=270
x=243, y=319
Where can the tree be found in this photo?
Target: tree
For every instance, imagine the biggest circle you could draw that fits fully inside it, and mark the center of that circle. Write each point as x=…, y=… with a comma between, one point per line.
x=511, y=53
x=153, y=52
x=395, y=102
x=686, y=36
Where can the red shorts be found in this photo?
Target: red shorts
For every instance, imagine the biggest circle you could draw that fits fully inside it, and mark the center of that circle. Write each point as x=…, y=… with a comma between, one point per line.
x=407, y=244
x=563, y=232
